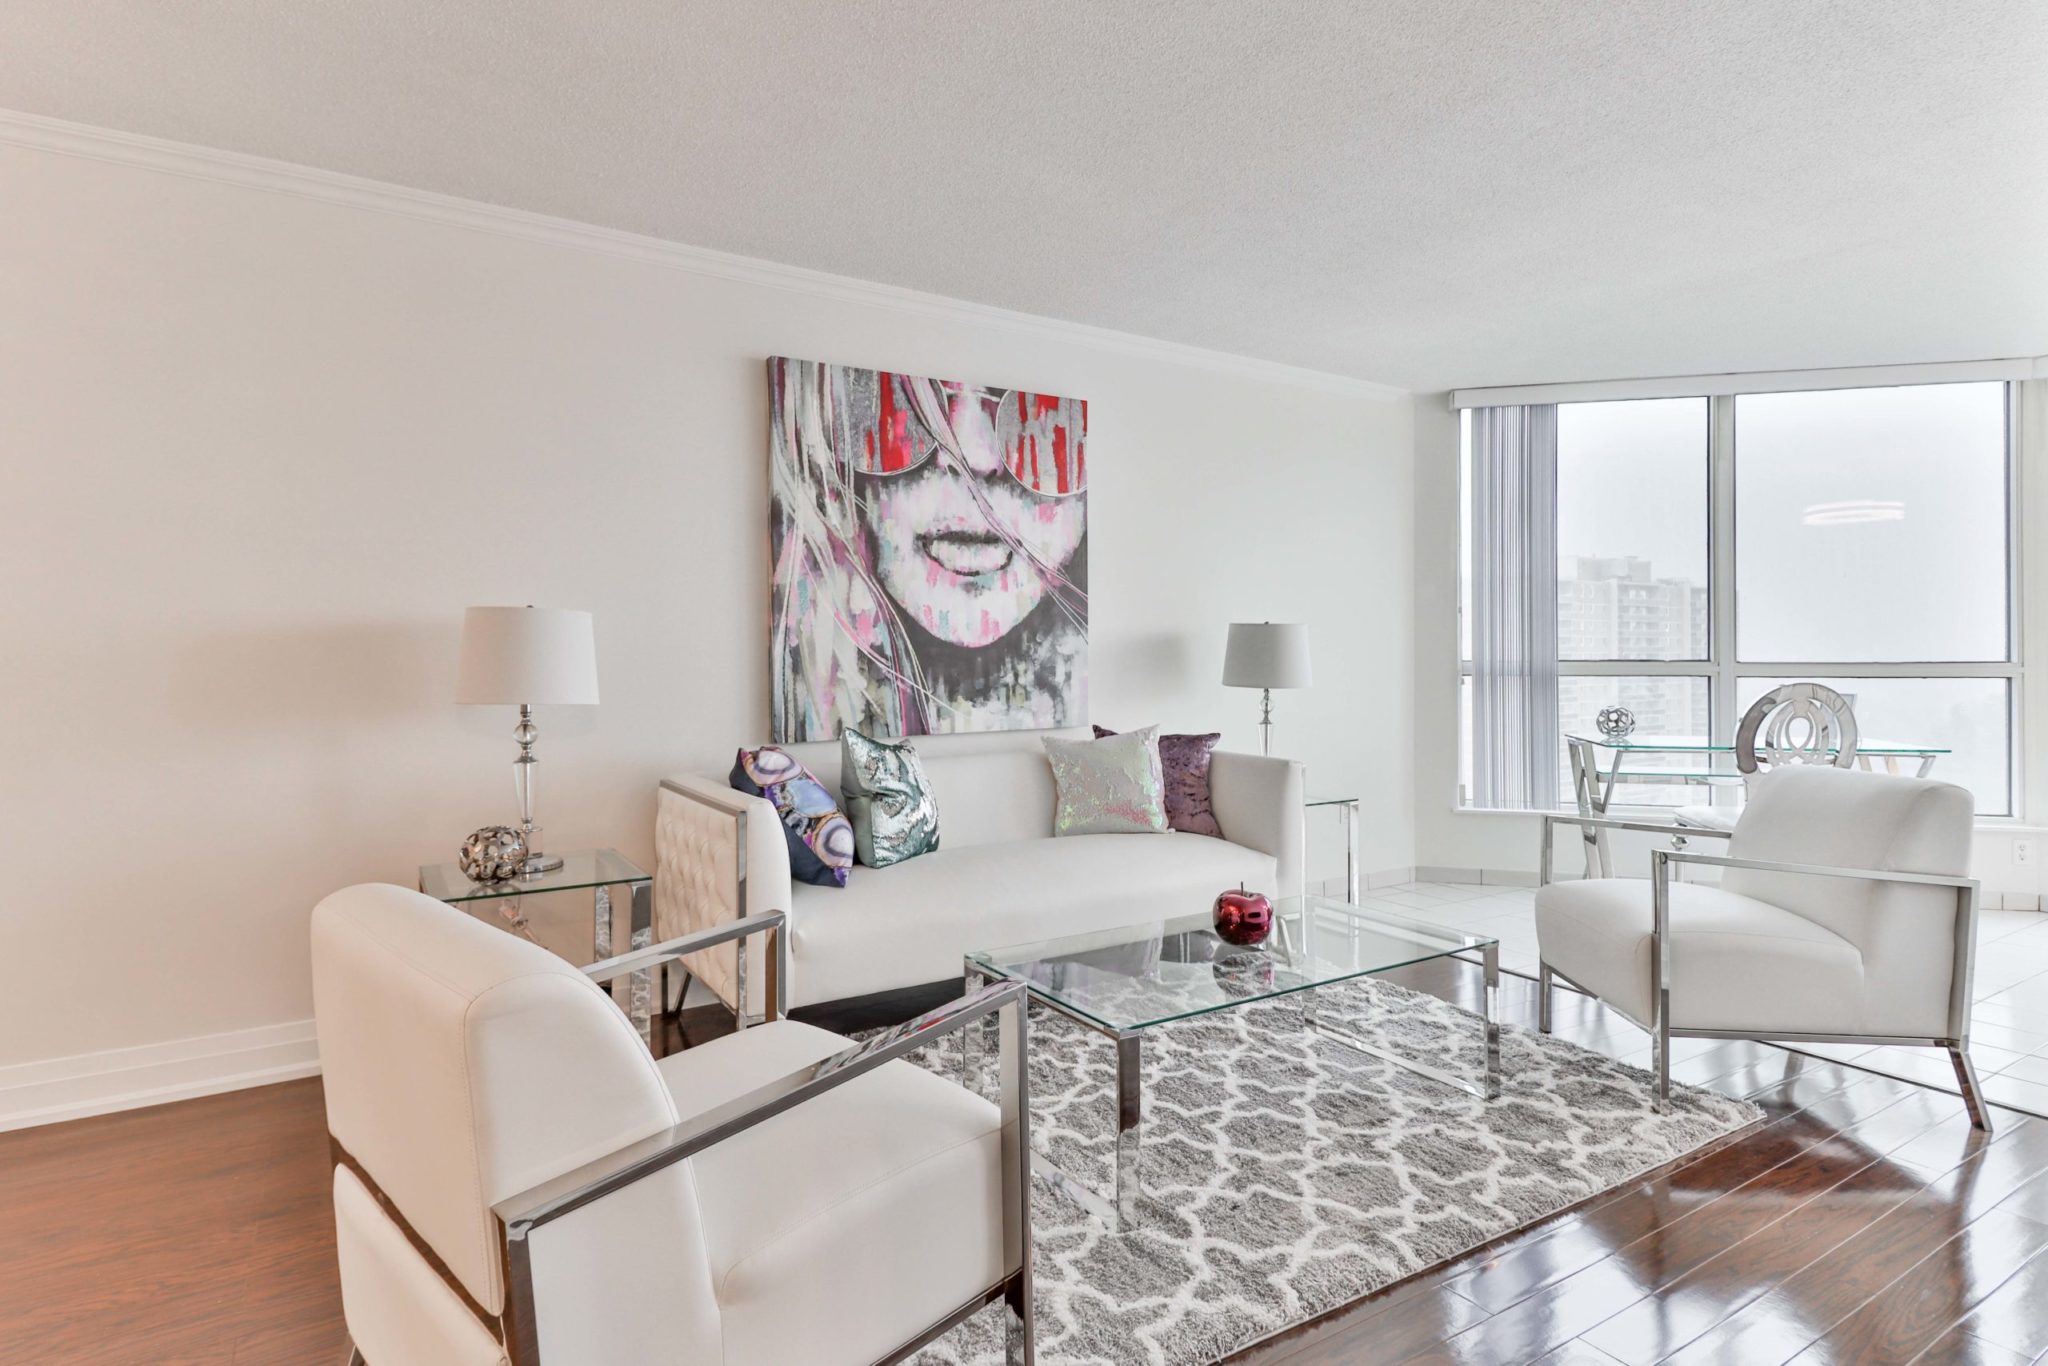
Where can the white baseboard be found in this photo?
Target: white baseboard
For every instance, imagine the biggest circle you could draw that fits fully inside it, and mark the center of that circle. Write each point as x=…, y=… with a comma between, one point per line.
x=1480, y=877
x=58, y=1089
x=1469, y=876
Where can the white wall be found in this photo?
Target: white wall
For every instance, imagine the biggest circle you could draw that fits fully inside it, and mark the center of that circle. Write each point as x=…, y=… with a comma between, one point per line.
x=261, y=448
x=1505, y=843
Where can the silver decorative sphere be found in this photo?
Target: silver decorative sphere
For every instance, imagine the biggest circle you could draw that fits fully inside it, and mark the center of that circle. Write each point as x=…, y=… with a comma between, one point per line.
x=492, y=854
x=1615, y=722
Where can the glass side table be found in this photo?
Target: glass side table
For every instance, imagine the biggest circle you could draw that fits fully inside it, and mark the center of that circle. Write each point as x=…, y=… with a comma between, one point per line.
x=504, y=904
x=1348, y=809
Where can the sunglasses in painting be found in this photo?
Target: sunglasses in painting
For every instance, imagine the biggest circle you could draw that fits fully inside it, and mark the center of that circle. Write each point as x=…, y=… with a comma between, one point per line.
x=1042, y=438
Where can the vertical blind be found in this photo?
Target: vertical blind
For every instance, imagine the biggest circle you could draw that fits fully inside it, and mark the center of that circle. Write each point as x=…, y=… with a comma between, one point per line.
x=1514, y=607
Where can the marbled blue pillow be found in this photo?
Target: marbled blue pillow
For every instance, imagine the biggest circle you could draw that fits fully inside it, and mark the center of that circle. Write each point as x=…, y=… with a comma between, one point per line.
x=820, y=838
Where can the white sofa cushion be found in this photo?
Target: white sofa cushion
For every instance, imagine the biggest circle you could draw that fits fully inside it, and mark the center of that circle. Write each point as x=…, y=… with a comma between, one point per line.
x=898, y=1220
x=914, y=922
x=1736, y=963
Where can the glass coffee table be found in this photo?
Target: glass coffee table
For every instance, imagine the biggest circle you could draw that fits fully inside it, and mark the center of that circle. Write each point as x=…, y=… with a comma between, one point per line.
x=1121, y=983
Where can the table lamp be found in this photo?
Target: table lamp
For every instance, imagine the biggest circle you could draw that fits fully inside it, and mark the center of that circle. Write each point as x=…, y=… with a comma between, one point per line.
x=527, y=656
x=1266, y=655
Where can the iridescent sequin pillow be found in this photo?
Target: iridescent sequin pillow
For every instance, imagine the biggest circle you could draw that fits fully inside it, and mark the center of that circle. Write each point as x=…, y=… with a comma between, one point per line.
x=1184, y=761
x=1108, y=787
x=888, y=799
x=820, y=839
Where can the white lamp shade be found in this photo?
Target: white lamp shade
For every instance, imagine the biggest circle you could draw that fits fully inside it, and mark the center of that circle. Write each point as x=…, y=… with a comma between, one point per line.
x=513, y=655
x=1266, y=654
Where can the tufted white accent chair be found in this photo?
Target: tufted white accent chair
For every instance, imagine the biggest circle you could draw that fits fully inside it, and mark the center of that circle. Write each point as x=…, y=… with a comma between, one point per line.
x=1845, y=912
x=517, y=1181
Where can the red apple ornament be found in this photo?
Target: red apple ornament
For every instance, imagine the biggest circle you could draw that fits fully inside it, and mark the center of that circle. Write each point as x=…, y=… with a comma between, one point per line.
x=1243, y=918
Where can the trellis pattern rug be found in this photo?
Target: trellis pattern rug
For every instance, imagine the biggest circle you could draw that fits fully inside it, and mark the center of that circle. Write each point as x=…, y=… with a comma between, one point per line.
x=1286, y=1174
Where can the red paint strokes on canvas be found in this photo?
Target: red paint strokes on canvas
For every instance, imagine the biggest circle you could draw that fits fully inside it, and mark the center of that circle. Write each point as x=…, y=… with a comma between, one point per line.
x=896, y=452
x=1059, y=456
x=1081, y=447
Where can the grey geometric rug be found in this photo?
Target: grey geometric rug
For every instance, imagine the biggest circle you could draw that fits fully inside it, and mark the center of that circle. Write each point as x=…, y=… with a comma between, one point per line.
x=1286, y=1174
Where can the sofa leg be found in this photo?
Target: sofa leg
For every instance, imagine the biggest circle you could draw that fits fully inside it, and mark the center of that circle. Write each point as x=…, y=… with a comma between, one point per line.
x=1020, y=1332
x=1966, y=1080
x=1543, y=977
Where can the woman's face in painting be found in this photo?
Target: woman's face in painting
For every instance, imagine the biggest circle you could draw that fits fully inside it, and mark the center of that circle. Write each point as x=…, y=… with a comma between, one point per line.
x=938, y=552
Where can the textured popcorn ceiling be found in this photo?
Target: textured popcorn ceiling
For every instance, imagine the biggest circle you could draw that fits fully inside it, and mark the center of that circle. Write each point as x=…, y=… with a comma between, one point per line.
x=1430, y=194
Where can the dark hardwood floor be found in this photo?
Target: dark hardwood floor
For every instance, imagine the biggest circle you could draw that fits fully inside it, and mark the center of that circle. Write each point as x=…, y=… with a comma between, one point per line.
x=1863, y=1221
x=200, y=1233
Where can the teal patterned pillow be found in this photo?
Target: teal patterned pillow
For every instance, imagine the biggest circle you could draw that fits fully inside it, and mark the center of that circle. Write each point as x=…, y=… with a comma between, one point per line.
x=888, y=799
x=1108, y=787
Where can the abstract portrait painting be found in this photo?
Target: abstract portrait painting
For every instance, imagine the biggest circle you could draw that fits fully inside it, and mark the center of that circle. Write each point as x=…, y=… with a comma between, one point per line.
x=930, y=555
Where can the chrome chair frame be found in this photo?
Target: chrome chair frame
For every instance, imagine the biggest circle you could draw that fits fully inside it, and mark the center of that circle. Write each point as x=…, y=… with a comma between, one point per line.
x=520, y=1215
x=1963, y=963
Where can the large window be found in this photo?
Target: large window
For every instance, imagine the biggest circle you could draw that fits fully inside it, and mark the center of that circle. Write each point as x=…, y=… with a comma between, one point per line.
x=1709, y=549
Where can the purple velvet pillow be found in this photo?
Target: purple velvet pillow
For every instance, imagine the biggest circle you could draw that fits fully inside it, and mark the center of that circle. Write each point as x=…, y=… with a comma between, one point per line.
x=1184, y=759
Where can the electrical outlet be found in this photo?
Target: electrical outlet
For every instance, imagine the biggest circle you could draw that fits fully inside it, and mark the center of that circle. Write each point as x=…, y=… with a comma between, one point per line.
x=2023, y=853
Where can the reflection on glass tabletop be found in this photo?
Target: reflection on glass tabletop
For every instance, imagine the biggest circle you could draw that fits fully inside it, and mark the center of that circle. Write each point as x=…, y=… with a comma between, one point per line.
x=1144, y=975
x=584, y=868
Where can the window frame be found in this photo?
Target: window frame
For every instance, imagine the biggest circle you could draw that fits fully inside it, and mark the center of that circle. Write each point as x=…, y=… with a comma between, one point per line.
x=1724, y=671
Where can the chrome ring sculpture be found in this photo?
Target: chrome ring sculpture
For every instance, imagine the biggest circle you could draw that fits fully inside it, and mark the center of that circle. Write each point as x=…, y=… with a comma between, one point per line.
x=492, y=854
x=1799, y=723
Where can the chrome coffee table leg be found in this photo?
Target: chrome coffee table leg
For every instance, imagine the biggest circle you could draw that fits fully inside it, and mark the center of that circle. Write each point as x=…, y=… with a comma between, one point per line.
x=1118, y=1212
x=971, y=983
x=1490, y=1014
x=1129, y=1088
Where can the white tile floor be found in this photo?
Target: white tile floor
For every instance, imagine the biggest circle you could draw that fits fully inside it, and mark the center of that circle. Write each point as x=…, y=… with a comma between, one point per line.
x=2008, y=1035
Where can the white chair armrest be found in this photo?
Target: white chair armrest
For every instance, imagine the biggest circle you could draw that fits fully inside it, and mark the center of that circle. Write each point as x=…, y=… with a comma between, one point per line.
x=1257, y=801
x=719, y=856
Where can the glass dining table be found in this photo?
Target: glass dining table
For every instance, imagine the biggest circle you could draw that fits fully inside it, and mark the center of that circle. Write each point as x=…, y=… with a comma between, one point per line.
x=1601, y=763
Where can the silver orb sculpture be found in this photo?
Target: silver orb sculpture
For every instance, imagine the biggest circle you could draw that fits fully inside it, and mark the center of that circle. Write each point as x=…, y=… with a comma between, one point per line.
x=1615, y=723
x=492, y=854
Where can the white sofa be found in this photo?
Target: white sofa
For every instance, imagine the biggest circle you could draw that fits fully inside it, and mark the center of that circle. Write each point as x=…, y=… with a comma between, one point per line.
x=999, y=876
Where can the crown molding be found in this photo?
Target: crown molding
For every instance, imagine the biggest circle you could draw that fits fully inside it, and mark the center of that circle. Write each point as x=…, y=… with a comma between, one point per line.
x=43, y=134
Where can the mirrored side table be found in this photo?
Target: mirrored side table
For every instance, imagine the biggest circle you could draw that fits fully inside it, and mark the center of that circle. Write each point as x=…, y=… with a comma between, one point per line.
x=1347, y=809
x=548, y=924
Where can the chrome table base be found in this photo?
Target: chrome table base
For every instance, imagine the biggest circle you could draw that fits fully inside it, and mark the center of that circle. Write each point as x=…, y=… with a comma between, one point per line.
x=1486, y=1088
x=1118, y=1211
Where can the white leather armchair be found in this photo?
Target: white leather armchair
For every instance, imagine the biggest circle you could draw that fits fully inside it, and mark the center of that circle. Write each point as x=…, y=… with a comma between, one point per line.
x=1844, y=913
x=517, y=1181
